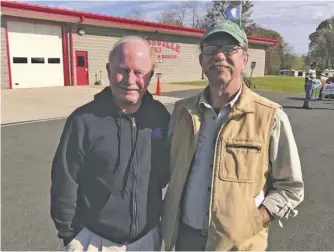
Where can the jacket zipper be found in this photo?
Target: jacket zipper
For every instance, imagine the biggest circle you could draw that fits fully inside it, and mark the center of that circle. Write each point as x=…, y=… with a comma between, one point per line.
x=134, y=228
x=244, y=146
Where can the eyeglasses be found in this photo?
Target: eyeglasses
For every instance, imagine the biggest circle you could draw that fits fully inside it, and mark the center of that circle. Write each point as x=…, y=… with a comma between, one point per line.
x=226, y=49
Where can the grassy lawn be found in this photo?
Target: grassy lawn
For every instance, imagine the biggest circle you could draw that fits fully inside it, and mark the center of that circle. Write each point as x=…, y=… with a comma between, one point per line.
x=286, y=84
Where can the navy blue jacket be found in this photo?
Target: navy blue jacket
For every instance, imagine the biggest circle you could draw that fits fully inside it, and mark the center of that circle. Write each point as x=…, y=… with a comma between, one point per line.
x=109, y=170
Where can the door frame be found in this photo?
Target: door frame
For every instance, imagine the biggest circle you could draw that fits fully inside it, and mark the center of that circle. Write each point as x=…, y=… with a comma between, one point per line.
x=75, y=53
x=7, y=19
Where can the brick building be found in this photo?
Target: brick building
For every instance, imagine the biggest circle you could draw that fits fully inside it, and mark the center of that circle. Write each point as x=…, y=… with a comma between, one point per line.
x=43, y=46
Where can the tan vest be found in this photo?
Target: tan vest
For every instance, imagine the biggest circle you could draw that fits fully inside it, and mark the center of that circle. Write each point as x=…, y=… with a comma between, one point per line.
x=240, y=172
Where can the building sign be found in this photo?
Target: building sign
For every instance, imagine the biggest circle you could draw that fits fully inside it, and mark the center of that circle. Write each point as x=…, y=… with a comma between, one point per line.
x=328, y=89
x=253, y=65
x=160, y=47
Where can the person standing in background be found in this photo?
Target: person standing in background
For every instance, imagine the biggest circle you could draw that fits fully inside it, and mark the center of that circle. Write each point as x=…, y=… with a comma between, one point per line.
x=310, y=77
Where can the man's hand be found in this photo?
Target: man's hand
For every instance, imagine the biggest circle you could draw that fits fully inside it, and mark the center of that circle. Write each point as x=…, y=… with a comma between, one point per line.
x=266, y=216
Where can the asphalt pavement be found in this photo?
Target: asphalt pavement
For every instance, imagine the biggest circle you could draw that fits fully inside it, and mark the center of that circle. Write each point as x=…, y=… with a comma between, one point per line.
x=28, y=149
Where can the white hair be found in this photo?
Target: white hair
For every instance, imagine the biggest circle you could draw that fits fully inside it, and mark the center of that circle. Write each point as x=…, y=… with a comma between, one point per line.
x=132, y=38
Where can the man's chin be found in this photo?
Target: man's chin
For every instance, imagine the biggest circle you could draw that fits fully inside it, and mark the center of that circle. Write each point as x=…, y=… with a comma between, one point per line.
x=221, y=81
x=131, y=99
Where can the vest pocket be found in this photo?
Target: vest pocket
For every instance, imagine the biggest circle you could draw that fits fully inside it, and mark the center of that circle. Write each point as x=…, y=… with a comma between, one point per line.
x=255, y=216
x=241, y=160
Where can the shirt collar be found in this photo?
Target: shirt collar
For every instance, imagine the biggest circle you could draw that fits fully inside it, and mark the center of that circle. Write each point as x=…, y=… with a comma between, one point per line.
x=204, y=99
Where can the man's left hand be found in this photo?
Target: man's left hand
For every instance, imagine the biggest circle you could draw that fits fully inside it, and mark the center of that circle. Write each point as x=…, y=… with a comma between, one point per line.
x=266, y=216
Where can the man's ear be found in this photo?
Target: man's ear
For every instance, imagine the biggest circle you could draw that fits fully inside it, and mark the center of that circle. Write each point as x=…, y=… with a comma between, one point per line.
x=108, y=69
x=200, y=58
x=152, y=73
x=245, y=58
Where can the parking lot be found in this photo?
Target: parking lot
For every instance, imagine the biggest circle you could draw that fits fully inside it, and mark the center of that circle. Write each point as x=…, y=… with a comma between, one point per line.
x=28, y=149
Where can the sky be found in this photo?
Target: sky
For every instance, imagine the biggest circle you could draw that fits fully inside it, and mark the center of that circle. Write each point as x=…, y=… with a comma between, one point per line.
x=294, y=20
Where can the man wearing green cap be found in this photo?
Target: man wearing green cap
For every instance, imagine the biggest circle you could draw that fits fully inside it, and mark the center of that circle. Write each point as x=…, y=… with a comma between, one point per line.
x=235, y=164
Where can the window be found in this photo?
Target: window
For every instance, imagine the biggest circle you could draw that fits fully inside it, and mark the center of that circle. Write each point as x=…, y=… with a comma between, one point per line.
x=20, y=60
x=81, y=61
x=37, y=60
x=53, y=60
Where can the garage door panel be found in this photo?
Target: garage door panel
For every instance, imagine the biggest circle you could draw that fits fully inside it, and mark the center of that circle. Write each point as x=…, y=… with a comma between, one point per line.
x=41, y=45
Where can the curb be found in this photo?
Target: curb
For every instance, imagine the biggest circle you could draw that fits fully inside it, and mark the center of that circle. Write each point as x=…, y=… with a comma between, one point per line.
x=33, y=121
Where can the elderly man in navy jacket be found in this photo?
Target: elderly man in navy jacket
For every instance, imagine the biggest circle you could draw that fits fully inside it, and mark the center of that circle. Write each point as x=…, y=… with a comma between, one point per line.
x=112, y=161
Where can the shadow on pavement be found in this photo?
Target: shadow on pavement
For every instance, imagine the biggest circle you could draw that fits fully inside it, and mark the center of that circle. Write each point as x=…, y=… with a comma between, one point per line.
x=302, y=99
x=296, y=98
x=300, y=107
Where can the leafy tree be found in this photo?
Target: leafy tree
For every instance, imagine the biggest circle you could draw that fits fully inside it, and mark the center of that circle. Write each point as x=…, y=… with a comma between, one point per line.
x=298, y=63
x=321, y=46
x=287, y=55
x=274, y=53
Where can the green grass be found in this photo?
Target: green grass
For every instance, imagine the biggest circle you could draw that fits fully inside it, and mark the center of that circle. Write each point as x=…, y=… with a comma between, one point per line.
x=286, y=84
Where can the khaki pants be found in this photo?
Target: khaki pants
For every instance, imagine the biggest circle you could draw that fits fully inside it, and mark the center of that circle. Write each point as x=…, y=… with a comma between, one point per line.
x=89, y=241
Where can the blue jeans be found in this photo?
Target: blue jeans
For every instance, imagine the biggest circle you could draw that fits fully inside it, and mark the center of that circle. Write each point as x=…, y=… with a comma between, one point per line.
x=308, y=96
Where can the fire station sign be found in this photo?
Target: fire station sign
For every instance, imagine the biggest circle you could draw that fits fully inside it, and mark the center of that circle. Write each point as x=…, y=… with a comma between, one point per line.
x=164, y=49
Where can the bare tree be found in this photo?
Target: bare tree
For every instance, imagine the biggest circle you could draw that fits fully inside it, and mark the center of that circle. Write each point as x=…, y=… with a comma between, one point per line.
x=186, y=14
x=180, y=12
x=137, y=13
x=192, y=9
x=173, y=16
x=169, y=17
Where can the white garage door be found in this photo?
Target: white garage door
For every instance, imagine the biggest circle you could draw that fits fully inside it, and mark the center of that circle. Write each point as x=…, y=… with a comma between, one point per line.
x=36, y=55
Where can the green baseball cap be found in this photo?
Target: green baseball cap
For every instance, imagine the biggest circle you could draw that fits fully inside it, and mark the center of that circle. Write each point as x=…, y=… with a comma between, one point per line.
x=229, y=27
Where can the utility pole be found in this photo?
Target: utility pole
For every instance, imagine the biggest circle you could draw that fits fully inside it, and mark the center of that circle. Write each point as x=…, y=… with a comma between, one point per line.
x=241, y=13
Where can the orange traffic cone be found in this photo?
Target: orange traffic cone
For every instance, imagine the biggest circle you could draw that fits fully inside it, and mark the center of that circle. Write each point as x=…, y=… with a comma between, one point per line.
x=158, y=90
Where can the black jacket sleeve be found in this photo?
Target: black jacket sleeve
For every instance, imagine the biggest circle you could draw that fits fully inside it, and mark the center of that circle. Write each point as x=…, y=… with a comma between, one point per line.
x=165, y=165
x=66, y=164
x=165, y=157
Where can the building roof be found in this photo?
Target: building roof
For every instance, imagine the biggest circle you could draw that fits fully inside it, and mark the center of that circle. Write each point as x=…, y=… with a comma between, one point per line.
x=21, y=9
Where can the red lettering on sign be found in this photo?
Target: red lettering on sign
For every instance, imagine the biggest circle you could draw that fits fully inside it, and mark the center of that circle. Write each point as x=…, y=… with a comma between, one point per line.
x=167, y=56
x=165, y=44
x=177, y=49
